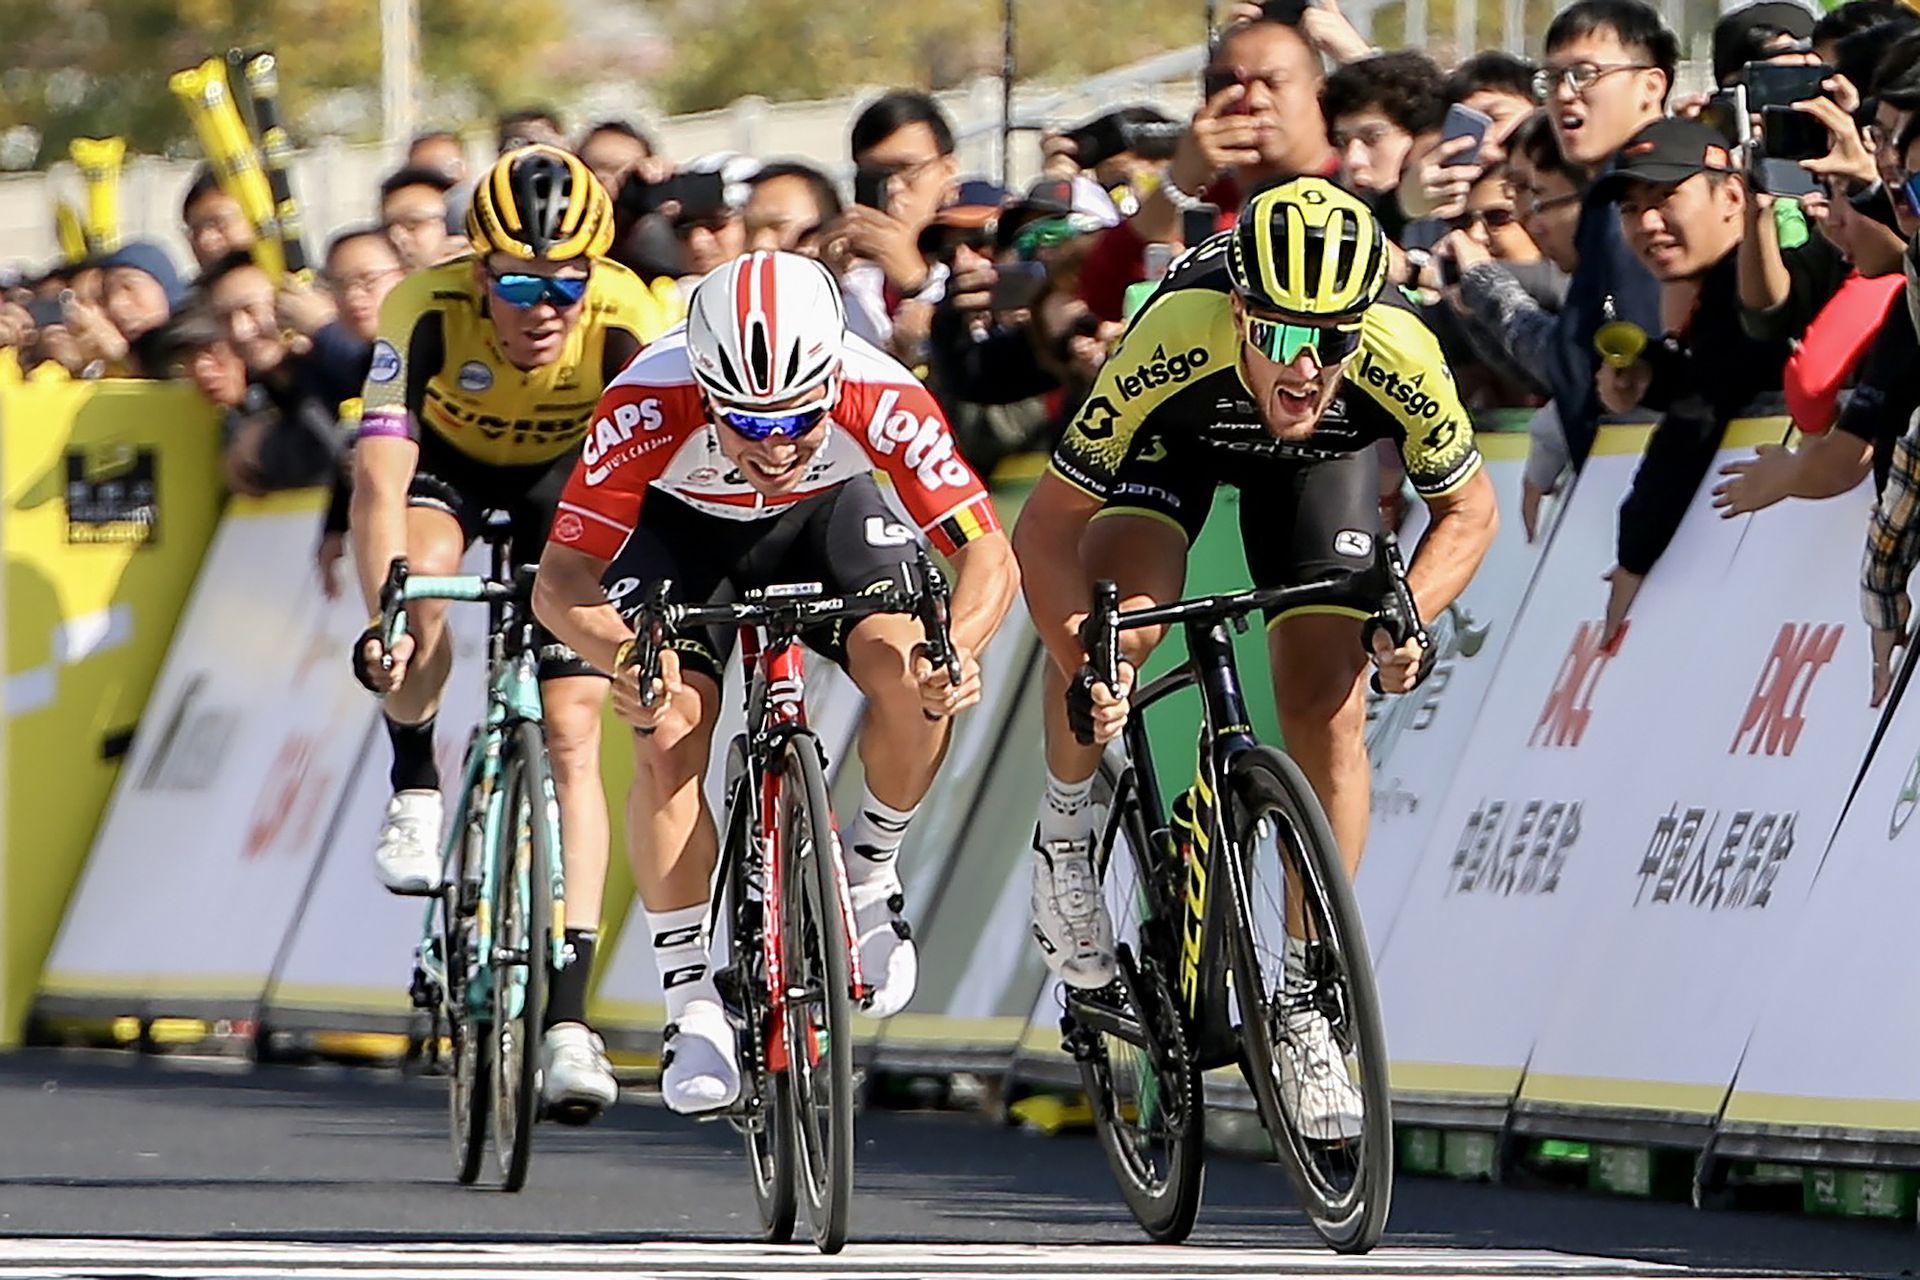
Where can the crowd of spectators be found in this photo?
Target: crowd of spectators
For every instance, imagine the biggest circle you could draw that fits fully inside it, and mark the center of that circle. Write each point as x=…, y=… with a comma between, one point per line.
x=1748, y=241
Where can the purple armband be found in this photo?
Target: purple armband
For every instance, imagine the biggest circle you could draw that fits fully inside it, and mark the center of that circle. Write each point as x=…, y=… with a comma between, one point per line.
x=384, y=422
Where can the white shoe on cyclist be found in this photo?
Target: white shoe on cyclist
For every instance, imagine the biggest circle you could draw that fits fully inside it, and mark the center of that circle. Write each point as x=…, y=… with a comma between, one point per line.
x=576, y=1080
x=1315, y=1085
x=700, y=1071
x=1069, y=916
x=888, y=959
x=408, y=855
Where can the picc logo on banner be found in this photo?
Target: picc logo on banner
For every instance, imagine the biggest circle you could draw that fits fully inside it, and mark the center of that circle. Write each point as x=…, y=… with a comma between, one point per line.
x=1777, y=710
x=1563, y=719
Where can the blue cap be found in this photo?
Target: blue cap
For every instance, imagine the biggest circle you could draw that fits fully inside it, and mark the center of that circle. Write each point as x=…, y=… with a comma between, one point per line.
x=144, y=255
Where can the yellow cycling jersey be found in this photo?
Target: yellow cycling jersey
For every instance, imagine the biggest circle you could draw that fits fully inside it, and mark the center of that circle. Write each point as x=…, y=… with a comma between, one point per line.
x=437, y=365
x=1177, y=373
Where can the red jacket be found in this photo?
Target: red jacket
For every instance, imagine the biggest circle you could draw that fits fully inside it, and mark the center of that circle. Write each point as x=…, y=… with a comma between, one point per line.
x=1833, y=345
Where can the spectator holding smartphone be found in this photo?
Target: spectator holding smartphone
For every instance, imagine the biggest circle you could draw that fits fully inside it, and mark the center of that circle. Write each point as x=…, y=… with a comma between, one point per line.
x=1495, y=85
x=1375, y=109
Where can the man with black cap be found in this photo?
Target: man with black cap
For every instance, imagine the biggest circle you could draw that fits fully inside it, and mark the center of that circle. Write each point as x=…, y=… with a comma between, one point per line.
x=1683, y=212
x=1770, y=31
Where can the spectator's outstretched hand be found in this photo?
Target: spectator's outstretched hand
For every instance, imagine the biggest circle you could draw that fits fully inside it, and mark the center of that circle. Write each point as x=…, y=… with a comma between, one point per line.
x=1443, y=182
x=1059, y=156
x=1756, y=483
x=1531, y=498
x=326, y=559
x=886, y=241
x=1624, y=587
x=16, y=326
x=1220, y=137
x=1885, y=645
x=1328, y=30
x=1849, y=156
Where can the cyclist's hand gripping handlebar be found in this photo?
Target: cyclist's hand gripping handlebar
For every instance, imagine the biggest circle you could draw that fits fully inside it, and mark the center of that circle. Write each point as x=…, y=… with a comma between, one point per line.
x=387, y=627
x=933, y=606
x=649, y=639
x=1100, y=635
x=1399, y=616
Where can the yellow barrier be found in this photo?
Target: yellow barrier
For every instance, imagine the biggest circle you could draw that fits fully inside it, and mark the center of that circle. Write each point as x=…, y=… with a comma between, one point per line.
x=111, y=493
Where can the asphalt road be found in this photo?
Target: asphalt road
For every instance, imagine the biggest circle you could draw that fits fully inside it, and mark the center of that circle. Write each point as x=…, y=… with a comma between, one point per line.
x=146, y=1151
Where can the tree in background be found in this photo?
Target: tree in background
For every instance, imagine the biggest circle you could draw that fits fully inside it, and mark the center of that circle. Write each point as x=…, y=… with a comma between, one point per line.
x=94, y=68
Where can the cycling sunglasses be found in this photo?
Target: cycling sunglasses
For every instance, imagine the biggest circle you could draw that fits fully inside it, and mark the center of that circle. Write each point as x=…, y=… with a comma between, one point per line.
x=1281, y=341
x=517, y=289
x=789, y=423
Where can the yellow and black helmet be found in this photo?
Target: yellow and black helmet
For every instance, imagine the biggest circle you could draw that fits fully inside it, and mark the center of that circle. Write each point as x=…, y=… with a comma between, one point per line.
x=540, y=202
x=1308, y=248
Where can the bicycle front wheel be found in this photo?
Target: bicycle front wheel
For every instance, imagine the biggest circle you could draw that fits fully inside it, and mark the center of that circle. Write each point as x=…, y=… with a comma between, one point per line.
x=1314, y=1052
x=523, y=914
x=469, y=1040
x=818, y=978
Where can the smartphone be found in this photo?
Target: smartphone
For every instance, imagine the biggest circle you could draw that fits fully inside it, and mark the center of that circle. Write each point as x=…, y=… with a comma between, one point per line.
x=1464, y=122
x=1775, y=84
x=870, y=187
x=45, y=312
x=1787, y=134
x=1726, y=114
x=1198, y=223
x=1218, y=78
x=1287, y=11
x=1017, y=286
x=1448, y=268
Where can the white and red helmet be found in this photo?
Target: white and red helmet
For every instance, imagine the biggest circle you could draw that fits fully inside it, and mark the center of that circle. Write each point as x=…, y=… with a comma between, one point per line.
x=765, y=328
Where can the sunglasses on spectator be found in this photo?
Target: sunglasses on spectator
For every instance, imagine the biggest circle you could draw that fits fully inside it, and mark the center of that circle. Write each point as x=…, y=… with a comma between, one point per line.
x=1579, y=77
x=522, y=291
x=1494, y=218
x=790, y=424
x=1537, y=206
x=1282, y=341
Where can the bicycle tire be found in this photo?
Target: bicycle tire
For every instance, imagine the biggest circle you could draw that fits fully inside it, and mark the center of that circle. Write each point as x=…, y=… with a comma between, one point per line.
x=1266, y=786
x=819, y=1023
x=470, y=1069
x=766, y=1125
x=1164, y=1202
x=523, y=916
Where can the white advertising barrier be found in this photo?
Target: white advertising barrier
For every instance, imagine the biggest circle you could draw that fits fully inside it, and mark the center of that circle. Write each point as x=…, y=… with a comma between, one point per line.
x=1415, y=742
x=1476, y=958
x=1699, y=867
x=349, y=957
x=627, y=999
x=1834, y=1050
x=254, y=726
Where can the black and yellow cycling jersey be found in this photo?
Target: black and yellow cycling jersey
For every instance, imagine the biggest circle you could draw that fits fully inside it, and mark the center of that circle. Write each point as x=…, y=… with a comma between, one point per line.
x=1176, y=379
x=438, y=368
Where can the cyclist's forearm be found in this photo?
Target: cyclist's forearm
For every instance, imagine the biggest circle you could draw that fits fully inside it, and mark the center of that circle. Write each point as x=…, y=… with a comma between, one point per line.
x=1456, y=541
x=985, y=580
x=569, y=601
x=376, y=524
x=1056, y=587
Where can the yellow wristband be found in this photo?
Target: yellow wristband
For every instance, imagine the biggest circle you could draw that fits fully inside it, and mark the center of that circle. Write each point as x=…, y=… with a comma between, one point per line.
x=621, y=654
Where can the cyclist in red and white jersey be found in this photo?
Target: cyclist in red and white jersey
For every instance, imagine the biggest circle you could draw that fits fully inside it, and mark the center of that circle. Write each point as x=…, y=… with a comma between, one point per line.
x=741, y=450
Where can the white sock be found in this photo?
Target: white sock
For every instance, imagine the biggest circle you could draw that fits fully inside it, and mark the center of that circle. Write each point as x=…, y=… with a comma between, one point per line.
x=1063, y=809
x=680, y=951
x=871, y=842
x=1296, y=963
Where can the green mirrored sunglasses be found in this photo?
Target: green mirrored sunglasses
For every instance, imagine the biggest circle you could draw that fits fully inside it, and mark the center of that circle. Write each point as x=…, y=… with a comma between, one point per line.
x=1282, y=342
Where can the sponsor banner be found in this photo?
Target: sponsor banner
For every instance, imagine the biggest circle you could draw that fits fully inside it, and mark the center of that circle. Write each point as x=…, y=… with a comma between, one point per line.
x=1835, y=1043
x=1477, y=955
x=1709, y=831
x=1416, y=742
x=109, y=505
x=220, y=815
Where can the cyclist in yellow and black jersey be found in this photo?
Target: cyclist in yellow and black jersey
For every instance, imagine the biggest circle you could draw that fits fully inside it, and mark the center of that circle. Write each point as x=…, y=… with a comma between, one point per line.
x=482, y=387
x=1269, y=360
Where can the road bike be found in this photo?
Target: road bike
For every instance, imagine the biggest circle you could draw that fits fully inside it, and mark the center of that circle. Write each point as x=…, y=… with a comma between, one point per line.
x=497, y=921
x=791, y=973
x=1204, y=897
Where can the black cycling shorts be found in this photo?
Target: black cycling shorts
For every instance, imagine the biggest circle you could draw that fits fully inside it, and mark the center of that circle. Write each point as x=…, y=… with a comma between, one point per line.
x=848, y=539
x=1301, y=520
x=447, y=480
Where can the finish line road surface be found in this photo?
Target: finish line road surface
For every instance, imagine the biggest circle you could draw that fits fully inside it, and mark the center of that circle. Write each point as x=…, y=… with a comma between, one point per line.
x=113, y=1165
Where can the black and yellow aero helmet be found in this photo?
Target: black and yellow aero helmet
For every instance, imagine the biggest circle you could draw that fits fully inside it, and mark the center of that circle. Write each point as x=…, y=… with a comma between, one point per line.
x=540, y=202
x=1308, y=248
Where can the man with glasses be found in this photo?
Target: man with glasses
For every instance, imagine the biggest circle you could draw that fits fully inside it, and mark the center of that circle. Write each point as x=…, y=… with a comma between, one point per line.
x=748, y=459
x=413, y=213
x=1270, y=360
x=481, y=390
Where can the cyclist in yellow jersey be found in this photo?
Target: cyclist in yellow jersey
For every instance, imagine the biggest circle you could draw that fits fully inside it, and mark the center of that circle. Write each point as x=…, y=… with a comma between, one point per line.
x=482, y=388
x=1268, y=359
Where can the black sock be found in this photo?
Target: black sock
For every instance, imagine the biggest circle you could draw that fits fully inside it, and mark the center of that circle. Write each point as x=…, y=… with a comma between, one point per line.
x=567, y=988
x=414, y=768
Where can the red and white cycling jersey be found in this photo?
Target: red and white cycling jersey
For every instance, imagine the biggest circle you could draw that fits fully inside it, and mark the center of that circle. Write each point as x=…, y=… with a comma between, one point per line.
x=650, y=431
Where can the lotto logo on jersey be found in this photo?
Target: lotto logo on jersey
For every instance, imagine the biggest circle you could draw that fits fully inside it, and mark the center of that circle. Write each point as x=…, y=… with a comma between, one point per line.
x=1417, y=402
x=928, y=449
x=615, y=429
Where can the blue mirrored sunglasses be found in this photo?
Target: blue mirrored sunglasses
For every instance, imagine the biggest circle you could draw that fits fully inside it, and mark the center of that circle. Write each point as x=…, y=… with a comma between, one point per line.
x=517, y=289
x=791, y=423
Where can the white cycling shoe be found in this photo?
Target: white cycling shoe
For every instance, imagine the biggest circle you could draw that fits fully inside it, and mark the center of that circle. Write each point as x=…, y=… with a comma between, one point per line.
x=1315, y=1085
x=407, y=858
x=699, y=1069
x=576, y=1080
x=888, y=959
x=1070, y=918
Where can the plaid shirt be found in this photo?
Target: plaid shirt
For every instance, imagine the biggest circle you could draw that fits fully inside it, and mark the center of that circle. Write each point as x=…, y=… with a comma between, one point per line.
x=1893, y=541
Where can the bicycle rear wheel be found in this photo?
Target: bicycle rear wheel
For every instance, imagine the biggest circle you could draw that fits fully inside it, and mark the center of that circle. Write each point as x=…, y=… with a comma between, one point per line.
x=1341, y=1164
x=766, y=1118
x=1139, y=1077
x=818, y=977
x=469, y=1042
x=523, y=913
